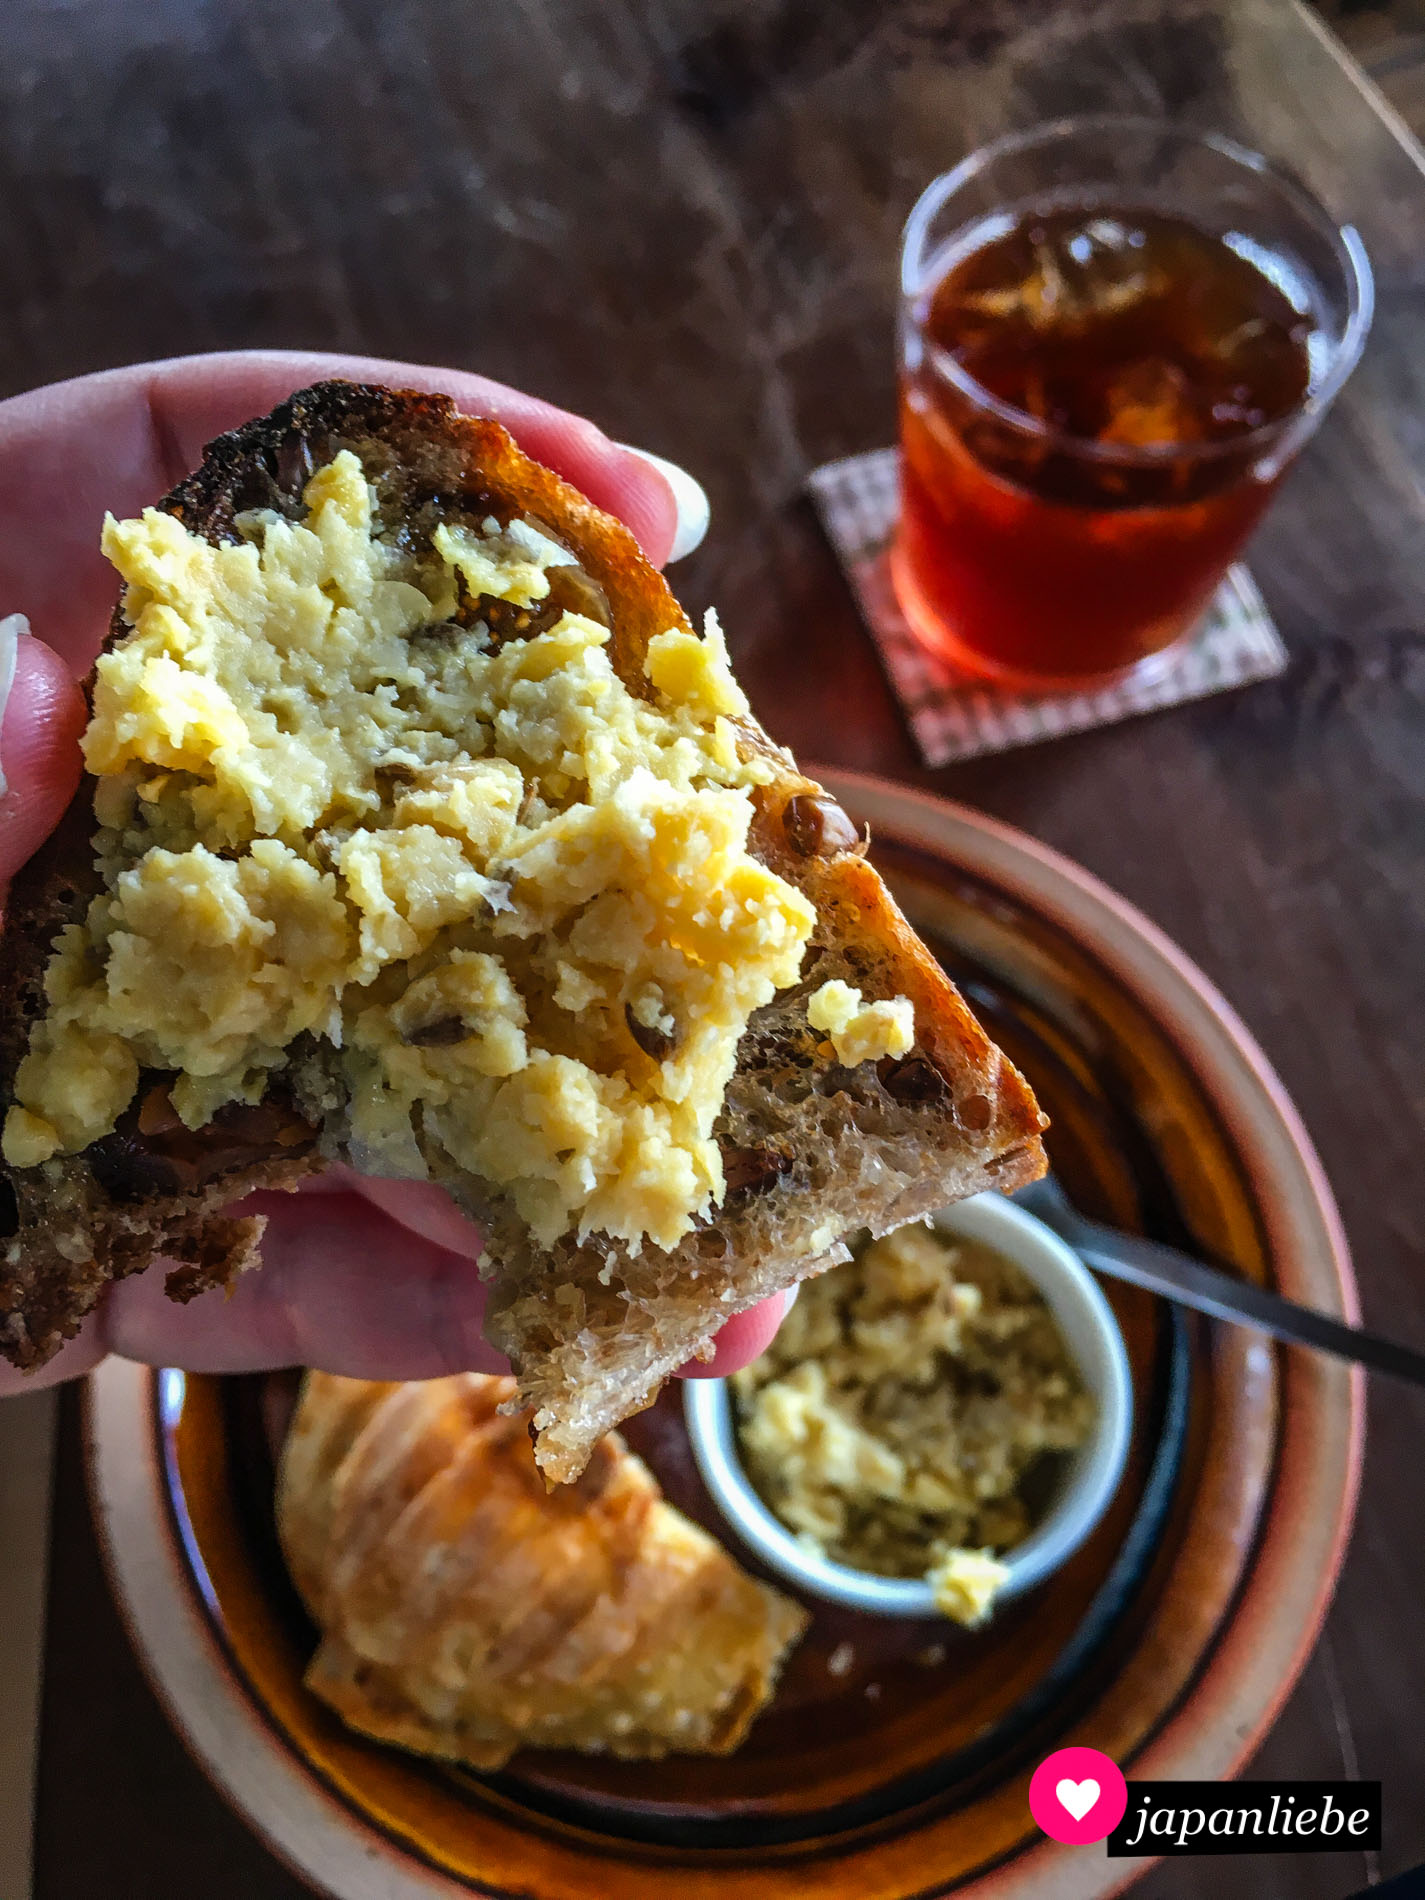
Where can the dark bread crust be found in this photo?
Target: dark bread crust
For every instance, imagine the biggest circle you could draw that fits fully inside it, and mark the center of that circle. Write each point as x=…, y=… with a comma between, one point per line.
x=952, y=1118
x=64, y=1232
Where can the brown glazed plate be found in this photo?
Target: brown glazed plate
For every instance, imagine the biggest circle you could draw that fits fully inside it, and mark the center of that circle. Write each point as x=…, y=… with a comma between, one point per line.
x=1169, y=1640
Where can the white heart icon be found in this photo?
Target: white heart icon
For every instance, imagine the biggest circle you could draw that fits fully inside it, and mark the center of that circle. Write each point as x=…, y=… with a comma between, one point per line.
x=1077, y=1797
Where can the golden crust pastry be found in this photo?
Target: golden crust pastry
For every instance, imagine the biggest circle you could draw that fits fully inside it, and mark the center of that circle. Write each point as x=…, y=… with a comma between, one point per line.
x=467, y=1613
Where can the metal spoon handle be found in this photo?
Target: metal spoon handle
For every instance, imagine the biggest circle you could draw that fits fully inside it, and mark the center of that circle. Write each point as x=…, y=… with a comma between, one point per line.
x=1177, y=1276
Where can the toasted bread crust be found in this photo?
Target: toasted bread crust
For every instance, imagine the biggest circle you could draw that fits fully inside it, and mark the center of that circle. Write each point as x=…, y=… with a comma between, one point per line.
x=80, y=1221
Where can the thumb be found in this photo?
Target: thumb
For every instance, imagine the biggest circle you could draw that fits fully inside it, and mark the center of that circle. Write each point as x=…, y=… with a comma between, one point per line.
x=42, y=714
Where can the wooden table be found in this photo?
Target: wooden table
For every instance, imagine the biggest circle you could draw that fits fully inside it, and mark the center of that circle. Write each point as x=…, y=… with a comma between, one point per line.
x=681, y=218
x=1387, y=37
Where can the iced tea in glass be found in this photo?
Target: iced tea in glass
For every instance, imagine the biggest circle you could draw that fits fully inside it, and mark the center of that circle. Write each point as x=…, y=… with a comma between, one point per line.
x=1114, y=337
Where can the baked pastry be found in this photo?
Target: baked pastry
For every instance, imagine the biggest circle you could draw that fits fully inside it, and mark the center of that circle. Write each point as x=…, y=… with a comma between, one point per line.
x=421, y=830
x=466, y=1612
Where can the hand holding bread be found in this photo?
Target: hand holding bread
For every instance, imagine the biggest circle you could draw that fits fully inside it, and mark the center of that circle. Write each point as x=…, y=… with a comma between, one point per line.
x=421, y=833
x=371, y=1278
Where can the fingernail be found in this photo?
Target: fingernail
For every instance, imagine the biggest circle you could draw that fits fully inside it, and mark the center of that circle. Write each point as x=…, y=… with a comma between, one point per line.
x=690, y=496
x=10, y=630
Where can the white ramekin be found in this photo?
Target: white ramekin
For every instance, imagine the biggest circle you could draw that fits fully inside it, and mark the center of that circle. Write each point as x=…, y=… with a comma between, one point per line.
x=1089, y=1476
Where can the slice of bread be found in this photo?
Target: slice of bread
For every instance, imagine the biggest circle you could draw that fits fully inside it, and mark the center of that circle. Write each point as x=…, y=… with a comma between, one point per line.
x=812, y=1147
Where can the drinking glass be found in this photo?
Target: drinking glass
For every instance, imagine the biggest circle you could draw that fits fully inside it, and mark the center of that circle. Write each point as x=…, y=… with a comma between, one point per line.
x=1048, y=560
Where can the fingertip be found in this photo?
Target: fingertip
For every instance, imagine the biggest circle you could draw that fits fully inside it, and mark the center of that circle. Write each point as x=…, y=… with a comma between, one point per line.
x=43, y=718
x=692, y=509
x=745, y=1337
x=639, y=492
x=11, y=627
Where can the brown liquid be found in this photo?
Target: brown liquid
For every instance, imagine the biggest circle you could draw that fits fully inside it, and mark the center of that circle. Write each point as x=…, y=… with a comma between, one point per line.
x=1022, y=548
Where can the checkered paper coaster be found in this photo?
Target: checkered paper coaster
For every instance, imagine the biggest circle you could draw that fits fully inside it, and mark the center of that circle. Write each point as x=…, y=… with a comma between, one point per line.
x=955, y=718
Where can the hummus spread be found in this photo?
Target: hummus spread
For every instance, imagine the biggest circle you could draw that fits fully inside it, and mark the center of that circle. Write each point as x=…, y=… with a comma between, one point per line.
x=894, y=1417
x=510, y=898
x=861, y=1032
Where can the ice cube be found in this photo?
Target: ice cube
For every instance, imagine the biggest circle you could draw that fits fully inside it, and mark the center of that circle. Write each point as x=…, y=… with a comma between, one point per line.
x=1076, y=275
x=1149, y=402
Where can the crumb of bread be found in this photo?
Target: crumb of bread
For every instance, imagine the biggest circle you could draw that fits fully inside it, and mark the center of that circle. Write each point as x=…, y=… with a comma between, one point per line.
x=907, y=1393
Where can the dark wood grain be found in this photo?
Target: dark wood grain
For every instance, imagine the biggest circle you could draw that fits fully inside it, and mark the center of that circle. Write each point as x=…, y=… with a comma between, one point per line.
x=1387, y=38
x=681, y=216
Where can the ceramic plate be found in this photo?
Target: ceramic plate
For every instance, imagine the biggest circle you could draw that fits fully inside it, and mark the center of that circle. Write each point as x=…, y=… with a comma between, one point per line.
x=1168, y=1641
